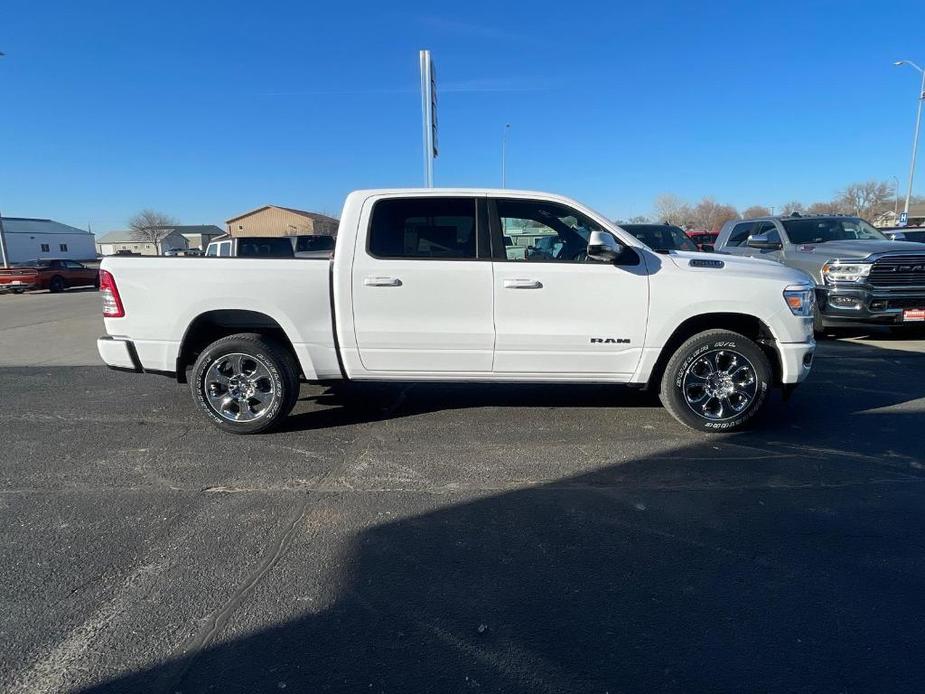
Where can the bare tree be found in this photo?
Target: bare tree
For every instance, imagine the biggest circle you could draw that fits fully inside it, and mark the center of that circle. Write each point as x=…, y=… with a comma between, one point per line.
x=672, y=209
x=756, y=211
x=638, y=219
x=822, y=207
x=151, y=226
x=868, y=199
x=793, y=206
x=711, y=215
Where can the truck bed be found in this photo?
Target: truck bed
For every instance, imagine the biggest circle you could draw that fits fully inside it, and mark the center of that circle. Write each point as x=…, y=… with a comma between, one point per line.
x=164, y=297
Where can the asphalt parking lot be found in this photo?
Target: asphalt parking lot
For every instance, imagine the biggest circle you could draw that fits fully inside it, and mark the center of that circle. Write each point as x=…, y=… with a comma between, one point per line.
x=443, y=539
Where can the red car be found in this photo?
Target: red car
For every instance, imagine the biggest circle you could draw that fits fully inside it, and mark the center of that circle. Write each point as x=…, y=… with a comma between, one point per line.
x=702, y=237
x=53, y=275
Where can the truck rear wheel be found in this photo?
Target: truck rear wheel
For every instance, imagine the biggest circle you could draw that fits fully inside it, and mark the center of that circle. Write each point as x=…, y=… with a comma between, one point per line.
x=245, y=383
x=716, y=381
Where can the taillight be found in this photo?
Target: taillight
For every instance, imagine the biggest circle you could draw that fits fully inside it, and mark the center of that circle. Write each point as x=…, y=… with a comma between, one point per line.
x=109, y=293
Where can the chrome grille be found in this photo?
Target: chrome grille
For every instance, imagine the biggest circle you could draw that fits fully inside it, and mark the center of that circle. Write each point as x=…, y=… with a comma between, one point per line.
x=898, y=271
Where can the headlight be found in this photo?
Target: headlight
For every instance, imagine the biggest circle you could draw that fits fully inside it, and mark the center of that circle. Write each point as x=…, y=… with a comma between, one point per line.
x=801, y=300
x=841, y=271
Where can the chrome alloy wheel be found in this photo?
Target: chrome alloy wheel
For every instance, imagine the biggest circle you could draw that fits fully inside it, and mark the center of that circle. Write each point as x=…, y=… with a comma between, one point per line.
x=239, y=387
x=719, y=384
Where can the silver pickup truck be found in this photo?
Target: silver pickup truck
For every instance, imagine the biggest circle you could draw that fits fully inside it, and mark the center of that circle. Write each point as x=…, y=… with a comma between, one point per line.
x=861, y=276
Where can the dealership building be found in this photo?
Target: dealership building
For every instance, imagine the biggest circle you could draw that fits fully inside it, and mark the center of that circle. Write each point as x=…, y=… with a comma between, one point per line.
x=28, y=239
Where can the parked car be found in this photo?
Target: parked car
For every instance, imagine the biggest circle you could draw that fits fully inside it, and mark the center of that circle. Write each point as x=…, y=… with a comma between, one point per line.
x=702, y=238
x=54, y=275
x=252, y=247
x=861, y=276
x=661, y=238
x=126, y=251
x=421, y=289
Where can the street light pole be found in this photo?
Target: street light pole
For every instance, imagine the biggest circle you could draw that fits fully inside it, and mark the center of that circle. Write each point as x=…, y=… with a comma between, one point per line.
x=507, y=126
x=915, y=137
x=896, y=197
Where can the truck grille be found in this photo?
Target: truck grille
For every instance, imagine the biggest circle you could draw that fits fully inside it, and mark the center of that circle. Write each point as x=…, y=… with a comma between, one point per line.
x=898, y=271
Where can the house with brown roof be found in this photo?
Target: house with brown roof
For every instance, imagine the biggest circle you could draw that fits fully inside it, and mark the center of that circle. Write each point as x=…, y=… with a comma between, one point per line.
x=274, y=220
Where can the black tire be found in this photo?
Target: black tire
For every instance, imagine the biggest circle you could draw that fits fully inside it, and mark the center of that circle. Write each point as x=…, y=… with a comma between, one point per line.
x=272, y=370
x=818, y=327
x=56, y=284
x=711, y=351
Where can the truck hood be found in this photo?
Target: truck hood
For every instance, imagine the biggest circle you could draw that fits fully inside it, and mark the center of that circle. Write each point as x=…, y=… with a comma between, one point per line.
x=745, y=266
x=856, y=249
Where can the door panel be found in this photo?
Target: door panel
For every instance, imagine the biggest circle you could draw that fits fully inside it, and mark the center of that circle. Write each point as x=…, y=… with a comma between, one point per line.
x=422, y=301
x=556, y=313
x=585, y=318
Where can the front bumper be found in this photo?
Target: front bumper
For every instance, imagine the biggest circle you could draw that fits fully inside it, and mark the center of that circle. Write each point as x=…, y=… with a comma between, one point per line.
x=796, y=360
x=118, y=353
x=839, y=305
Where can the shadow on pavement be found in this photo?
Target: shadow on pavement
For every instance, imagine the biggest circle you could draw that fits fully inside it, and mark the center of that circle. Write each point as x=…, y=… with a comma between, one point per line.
x=801, y=568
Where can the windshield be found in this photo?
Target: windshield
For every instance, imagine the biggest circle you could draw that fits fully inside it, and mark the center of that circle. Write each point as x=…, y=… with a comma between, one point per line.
x=835, y=229
x=661, y=237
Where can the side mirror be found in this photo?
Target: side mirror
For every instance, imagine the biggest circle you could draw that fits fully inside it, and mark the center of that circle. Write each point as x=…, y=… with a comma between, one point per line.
x=707, y=248
x=763, y=242
x=603, y=247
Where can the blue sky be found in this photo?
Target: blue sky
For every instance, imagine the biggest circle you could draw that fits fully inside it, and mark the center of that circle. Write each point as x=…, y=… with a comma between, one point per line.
x=205, y=109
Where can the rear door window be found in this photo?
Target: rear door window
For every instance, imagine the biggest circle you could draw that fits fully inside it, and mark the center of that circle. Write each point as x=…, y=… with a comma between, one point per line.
x=435, y=228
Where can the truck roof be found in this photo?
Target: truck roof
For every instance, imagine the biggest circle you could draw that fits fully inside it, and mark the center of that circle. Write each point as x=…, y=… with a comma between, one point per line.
x=782, y=217
x=456, y=191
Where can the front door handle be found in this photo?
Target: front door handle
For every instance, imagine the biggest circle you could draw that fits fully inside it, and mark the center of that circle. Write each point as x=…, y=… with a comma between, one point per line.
x=382, y=282
x=523, y=284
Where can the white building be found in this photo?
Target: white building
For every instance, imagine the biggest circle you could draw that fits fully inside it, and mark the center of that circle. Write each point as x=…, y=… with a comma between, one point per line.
x=177, y=238
x=127, y=241
x=31, y=239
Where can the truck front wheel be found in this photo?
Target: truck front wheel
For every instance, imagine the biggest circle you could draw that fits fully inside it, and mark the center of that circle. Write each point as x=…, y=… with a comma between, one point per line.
x=245, y=383
x=716, y=381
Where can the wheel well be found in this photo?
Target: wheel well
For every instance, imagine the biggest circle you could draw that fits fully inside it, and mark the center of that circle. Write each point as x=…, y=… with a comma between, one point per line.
x=214, y=325
x=744, y=324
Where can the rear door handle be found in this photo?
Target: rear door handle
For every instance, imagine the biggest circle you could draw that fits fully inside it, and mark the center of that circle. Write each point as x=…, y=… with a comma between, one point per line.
x=382, y=282
x=523, y=284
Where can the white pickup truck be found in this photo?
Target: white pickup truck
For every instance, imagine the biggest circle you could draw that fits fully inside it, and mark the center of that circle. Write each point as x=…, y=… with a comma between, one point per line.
x=471, y=285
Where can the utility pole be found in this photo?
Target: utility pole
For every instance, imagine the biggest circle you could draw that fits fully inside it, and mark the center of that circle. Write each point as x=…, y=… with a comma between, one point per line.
x=507, y=127
x=3, y=255
x=6, y=261
x=915, y=137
